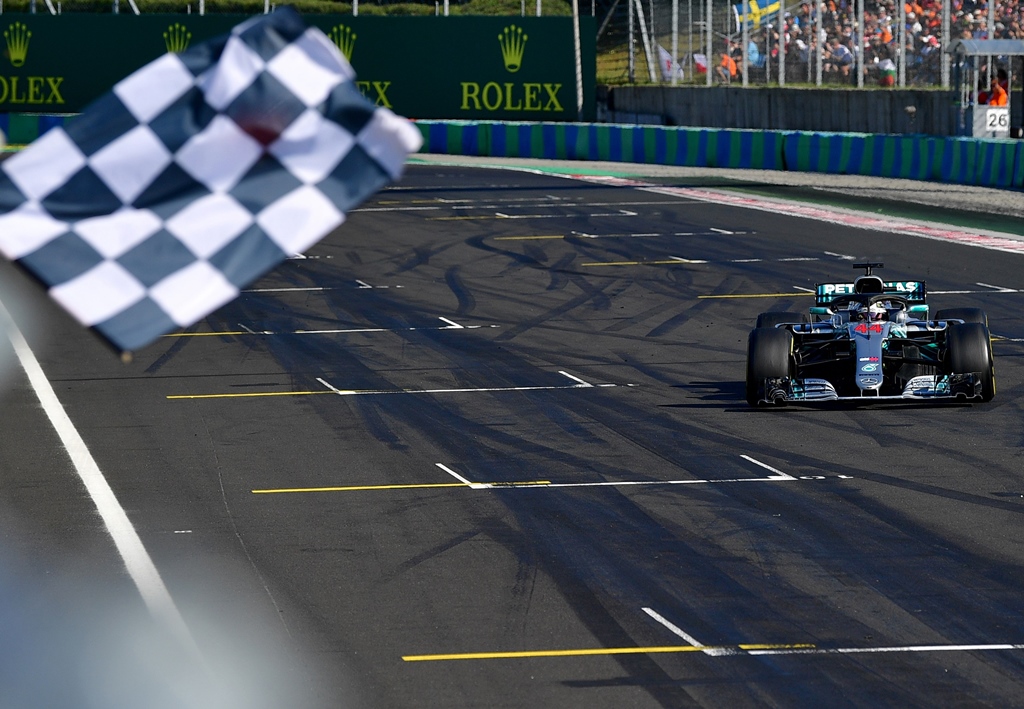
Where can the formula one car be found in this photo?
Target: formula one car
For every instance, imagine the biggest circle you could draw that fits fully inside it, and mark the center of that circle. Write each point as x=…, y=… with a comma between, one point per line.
x=870, y=340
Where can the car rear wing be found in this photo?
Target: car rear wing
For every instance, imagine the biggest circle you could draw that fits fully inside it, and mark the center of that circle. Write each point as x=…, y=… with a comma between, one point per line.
x=911, y=291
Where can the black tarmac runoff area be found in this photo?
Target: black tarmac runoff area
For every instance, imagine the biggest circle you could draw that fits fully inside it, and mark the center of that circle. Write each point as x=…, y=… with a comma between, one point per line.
x=486, y=445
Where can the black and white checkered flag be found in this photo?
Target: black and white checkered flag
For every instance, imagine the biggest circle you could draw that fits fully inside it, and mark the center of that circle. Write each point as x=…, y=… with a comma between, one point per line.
x=196, y=175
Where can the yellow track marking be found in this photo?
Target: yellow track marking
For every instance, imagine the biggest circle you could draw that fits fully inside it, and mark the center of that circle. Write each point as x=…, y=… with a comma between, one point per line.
x=409, y=201
x=527, y=238
x=249, y=395
x=359, y=487
x=414, y=486
x=677, y=262
x=453, y=219
x=583, y=652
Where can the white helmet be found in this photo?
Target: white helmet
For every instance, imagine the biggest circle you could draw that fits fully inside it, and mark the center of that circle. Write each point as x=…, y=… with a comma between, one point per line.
x=877, y=311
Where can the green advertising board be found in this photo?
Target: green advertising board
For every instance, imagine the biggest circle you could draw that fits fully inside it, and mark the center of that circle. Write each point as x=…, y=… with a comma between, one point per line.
x=494, y=68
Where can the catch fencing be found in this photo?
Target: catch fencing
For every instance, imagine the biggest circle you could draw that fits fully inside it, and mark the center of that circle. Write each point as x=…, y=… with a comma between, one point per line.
x=848, y=43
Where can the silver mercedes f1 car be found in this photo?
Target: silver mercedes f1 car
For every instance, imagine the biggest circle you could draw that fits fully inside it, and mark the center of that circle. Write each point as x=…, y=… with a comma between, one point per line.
x=870, y=340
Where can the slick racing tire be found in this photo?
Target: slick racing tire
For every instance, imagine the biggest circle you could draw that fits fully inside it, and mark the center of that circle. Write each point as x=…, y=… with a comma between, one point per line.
x=773, y=318
x=769, y=352
x=970, y=350
x=965, y=314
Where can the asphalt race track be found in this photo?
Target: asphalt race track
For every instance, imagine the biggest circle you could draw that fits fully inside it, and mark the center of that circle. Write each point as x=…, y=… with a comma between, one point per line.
x=486, y=446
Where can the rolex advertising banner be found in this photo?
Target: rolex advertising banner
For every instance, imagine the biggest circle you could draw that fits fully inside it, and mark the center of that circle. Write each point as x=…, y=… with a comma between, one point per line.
x=492, y=68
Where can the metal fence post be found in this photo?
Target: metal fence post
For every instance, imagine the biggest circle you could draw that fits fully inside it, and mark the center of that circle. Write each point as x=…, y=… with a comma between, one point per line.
x=817, y=41
x=711, y=49
x=902, y=39
x=632, y=44
x=860, y=41
x=675, y=43
x=745, y=38
x=781, y=24
x=946, y=41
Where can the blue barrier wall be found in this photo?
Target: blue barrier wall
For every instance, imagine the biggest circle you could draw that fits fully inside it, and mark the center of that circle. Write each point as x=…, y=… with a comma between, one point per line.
x=967, y=161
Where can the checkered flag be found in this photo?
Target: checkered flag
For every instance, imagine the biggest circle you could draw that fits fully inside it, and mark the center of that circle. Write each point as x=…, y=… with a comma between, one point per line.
x=196, y=175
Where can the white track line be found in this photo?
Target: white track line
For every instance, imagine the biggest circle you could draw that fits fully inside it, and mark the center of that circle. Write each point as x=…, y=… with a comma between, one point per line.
x=998, y=289
x=684, y=635
x=329, y=385
x=470, y=483
x=648, y=483
x=582, y=383
x=350, y=331
x=779, y=475
x=895, y=648
x=969, y=292
x=288, y=290
x=477, y=390
x=395, y=209
x=251, y=331
x=620, y=213
x=136, y=559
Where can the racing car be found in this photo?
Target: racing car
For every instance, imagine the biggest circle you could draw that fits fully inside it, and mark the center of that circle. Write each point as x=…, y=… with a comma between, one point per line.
x=870, y=340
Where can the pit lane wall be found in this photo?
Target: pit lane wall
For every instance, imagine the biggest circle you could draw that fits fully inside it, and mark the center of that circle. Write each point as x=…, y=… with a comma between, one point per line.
x=966, y=161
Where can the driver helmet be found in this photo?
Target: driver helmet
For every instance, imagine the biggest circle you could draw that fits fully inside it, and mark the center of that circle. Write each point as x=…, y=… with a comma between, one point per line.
x=877, y=311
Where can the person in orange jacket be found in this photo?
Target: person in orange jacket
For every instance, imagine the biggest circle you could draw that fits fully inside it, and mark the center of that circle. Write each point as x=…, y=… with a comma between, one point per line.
x=727, y=70
x=996, y=94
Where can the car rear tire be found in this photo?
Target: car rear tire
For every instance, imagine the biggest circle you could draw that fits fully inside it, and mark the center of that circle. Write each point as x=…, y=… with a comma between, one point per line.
x=769, y=356
x=970, y=350
x=773, y=318
x=965, y=314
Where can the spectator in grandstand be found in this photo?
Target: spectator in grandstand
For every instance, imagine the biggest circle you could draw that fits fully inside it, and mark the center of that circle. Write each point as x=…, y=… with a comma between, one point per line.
x=843, y=35
x=727, y=67
x=802, y=52
x=913, y=25
x=886, y=72
x=839, y=58
x=830, y=14
x=755, y=59
x=931, y=60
